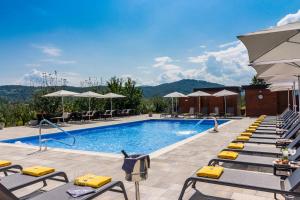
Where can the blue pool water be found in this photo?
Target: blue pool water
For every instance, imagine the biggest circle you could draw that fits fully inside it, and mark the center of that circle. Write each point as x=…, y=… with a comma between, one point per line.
x=135, y=137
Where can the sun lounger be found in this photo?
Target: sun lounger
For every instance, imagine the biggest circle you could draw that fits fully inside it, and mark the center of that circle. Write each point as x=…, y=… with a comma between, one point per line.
x=17, y=181
x=254, y=160
x=295, y=126
x=11, y=168
x=268, y=150
x=265, y=182
x=60, y=193
x=288, y=135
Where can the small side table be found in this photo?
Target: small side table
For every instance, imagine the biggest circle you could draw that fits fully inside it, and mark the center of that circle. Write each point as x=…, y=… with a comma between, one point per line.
x=288, y=168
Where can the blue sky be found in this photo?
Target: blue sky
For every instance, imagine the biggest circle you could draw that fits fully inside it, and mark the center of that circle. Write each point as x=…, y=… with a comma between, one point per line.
x=152, y=41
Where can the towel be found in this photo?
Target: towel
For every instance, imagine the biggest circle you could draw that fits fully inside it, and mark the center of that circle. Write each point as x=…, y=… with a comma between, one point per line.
x=210, y=171
x=231, y=155
x=243, y=138
x=129, y=162
x=236, y=146
x=92, y=180
x=246, y=134
x=38, y=171
x=4, y=163
x=78, y=191
x=251, y=130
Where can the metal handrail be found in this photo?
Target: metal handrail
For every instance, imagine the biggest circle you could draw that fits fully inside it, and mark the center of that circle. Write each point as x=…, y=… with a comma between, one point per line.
x=45, y=121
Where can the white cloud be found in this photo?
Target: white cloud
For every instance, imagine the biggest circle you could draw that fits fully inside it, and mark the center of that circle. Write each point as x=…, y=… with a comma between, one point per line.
x=202, y=46
x=49, y=50
x=57, y=61
x=228, y=65
x=228, y=44
x=165, y=63
x=33, y=65
x=290, y=18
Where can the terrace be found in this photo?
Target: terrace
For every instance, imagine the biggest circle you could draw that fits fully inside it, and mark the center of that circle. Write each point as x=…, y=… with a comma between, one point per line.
x=168, y=170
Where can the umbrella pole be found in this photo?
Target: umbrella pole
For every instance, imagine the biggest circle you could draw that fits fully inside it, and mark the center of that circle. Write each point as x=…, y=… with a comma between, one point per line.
x=89, y=108
x=172, y=106
x=199, y=104
x=175, y=106
x=110, y=104
x=225, y=104
x=288, y=98
x=294, y=88
x=63, y=109
x=299, y=95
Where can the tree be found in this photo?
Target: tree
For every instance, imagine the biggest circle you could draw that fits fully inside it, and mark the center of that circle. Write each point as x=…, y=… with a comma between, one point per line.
x=257, y=81
x=46, y=105
x=127, y=88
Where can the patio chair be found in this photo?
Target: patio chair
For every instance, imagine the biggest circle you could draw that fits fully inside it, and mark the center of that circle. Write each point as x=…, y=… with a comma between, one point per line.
x=250, y=180
x=190, y=113
x=229, y=112
x=65, y=117
x=60, y=192
x=108, y=114
x=215, y=113
x=90, y=115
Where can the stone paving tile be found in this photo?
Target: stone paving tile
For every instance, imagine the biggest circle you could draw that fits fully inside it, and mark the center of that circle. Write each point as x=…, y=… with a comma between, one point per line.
x=166, y=176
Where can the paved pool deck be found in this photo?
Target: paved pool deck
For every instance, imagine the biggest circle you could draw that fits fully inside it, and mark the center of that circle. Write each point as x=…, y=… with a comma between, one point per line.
x=169, y=169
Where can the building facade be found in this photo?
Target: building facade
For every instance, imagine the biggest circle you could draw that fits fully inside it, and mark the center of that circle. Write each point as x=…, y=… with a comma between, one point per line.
x=212, y=104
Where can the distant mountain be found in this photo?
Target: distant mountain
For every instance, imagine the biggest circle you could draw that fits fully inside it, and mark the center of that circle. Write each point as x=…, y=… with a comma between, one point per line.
x=20, y=93
x=184, y=86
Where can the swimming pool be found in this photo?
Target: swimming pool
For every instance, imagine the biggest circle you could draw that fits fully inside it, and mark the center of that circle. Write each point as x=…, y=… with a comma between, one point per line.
x=135, y=137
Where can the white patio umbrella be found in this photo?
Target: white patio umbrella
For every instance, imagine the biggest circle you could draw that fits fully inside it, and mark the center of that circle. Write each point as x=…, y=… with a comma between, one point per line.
x=175, y=95
x=62, y=94
x=274, y=44
x=112, y=96
x=224, y=93
x=89, y=95
x=199, y=94
x=276, y=48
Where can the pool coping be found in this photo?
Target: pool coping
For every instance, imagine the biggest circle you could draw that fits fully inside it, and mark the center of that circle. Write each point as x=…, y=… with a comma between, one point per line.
x=154, y=154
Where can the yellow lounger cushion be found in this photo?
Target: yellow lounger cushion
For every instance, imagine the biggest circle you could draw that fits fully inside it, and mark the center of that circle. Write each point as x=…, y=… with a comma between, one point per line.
x=231, y=155
x=4, y=163
x=92, y=180
x=38, y=170
x=235, y=145
x=250, y=130
x=243, y=138
x=210, y=171
x=246, y=134
x=253, y=126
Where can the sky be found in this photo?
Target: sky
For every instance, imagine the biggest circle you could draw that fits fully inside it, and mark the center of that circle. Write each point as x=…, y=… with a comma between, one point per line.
x=151, y=41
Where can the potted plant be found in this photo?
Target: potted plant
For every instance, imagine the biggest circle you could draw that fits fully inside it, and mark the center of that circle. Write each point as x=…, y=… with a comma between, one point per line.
x=2, y=121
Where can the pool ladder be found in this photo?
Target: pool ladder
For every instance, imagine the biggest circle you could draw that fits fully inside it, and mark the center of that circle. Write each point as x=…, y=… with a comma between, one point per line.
x=44, y=141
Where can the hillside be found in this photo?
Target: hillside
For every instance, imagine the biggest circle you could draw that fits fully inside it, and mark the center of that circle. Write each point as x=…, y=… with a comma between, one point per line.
x=19, y=93
x=184, y=86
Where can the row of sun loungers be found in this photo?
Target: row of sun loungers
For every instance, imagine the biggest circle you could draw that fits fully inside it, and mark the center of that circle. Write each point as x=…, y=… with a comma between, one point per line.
x=277, y=135
x=15, y=178
x=89, y=115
